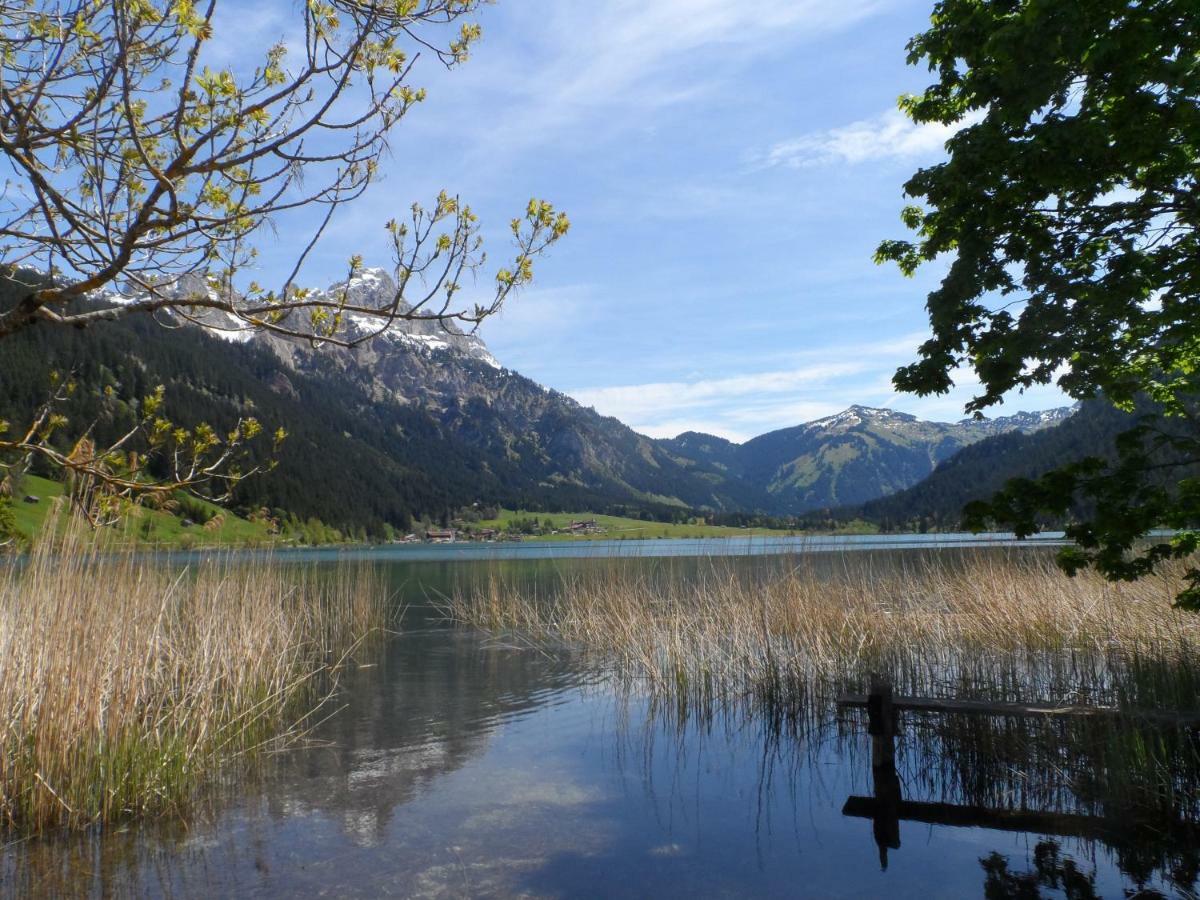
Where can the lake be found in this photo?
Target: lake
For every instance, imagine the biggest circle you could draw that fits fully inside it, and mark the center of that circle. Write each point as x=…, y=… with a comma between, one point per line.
x=453, y=763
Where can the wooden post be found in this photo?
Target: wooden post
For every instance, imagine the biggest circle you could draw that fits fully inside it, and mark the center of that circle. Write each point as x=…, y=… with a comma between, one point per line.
x=881, y=725
x=881, y=722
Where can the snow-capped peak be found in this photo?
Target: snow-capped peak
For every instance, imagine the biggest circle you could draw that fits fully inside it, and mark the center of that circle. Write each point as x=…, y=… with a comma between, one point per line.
x=374, y=288
x=370, y=288
x=856, y=415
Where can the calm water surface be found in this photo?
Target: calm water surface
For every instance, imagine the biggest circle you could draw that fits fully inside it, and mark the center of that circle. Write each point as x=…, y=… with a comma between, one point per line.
x=458, y=764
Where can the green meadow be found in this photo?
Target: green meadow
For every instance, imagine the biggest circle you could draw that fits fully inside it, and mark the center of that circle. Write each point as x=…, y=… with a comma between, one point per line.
x=623, y=528
x=142, y=525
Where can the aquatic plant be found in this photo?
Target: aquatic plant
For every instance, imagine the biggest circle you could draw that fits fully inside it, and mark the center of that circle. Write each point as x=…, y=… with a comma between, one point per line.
x=987, y=624
x=126, y=683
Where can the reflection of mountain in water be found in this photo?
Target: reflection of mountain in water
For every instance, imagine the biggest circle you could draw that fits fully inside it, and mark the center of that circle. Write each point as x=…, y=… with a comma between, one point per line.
x=438, y=778
x=425, y=705
x=427, y=708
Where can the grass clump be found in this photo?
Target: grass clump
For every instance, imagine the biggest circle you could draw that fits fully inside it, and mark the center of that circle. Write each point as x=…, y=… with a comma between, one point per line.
x=1004, y=626
x=125, y=684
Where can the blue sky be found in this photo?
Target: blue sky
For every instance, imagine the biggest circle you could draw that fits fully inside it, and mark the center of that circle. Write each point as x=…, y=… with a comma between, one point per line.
x=728, y=168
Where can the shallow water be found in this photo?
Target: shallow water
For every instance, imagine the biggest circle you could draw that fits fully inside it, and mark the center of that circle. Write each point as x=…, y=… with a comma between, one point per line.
x=460, y=764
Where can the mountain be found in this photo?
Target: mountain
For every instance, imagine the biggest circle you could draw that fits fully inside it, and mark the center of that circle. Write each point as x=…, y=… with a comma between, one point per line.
x=545, y=437
x=981, y=469
x=850, y=458
x=418, y=420
x=421, y=419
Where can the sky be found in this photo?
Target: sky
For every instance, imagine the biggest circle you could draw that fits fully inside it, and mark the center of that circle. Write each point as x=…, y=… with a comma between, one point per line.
x=728, y=168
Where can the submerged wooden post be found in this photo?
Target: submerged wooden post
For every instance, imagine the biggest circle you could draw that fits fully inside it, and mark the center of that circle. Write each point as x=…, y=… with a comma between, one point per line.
x=881, y=725
x=881, y=721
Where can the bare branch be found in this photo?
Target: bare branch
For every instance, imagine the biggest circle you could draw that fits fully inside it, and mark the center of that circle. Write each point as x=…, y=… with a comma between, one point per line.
x=134, y=160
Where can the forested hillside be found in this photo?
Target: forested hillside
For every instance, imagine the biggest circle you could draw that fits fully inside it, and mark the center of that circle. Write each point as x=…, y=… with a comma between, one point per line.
x=421, y=421
x=855, y=456
x=347, y=461
x=413, y=426
x=979, y=470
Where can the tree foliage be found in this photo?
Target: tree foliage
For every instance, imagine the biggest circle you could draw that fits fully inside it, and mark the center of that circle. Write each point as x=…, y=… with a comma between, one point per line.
x=8, y=521
x=1068, y=211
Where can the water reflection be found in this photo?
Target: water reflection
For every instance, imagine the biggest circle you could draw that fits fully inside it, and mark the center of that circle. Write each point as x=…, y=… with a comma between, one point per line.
x=463, y=765
x=1128, y=790
x=1051, y=870
x=427, y=706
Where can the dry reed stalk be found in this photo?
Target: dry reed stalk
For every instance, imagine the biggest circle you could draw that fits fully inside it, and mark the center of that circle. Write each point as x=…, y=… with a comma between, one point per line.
x=1006, y=626
x=123, y=683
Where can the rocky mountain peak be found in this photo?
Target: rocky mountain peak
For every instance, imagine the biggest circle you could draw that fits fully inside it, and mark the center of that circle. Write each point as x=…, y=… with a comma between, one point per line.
x=375, y=288
x=371, y=287
x=856, y=415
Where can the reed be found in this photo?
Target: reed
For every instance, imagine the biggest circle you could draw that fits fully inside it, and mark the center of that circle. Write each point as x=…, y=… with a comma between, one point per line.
x=992, y=625
x=125, y=684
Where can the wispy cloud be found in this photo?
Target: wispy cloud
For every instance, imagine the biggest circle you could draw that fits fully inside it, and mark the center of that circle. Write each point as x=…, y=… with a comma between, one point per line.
x=632, y=57
x=538, y=319
x=891, y=135
x=244, y=34
x=742, y=406
x=640, y=401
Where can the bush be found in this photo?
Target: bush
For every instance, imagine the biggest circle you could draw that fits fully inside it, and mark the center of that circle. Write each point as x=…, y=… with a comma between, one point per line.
x=8, y=520
x=196, y=510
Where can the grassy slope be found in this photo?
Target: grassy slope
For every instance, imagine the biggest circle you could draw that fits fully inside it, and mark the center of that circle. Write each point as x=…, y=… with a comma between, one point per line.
x=618, y=528
x=168, y=530
x=164, y=528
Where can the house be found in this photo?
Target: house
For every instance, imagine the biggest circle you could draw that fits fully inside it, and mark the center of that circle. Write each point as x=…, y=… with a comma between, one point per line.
x=440, y=537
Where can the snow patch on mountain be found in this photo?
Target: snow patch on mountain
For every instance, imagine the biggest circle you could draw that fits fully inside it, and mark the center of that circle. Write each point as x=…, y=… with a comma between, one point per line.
x=371, y=288
x=856, y=415
x=375, y=289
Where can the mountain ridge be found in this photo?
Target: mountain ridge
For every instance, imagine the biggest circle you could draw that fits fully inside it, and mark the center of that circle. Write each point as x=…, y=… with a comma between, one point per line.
x=850, y=457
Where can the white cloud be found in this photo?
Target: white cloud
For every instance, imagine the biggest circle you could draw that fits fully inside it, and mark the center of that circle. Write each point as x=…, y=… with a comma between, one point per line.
x=615, y=45
x=243, y=33
x=736, y=407
x=739, y=407
x=641, y=401
x=538, y=318
x=891, y=135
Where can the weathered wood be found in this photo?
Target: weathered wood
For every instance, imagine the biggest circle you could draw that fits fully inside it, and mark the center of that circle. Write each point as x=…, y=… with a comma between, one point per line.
x=887, y=809
x=990, y=708
x=1030, y=821
x=881, y=725
x=881, y=718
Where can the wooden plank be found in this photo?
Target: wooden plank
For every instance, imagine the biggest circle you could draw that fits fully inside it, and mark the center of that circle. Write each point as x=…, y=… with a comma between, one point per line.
x=1032, y=821
x=990, y=708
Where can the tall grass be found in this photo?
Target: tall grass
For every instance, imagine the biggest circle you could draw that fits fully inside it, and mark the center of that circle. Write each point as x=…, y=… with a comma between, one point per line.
x=1001, y=626
x=124, y=684
x=766, y=652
